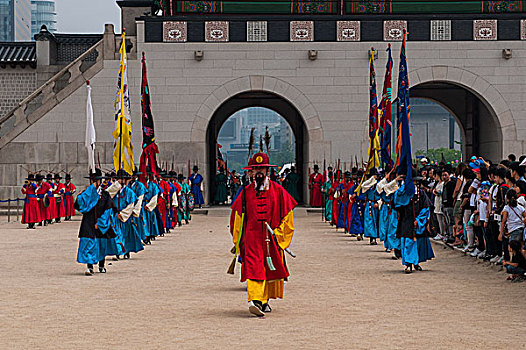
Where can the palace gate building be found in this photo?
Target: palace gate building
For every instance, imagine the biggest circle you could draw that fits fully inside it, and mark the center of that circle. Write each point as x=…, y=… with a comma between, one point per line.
x=306, y=60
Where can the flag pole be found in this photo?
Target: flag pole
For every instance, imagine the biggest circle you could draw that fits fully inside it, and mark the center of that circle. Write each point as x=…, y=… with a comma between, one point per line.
x=123, y=52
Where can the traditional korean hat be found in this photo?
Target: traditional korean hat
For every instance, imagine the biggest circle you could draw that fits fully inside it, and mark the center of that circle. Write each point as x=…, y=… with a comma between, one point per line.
x=30, y=177
x=373, y=171
x=68, y=176
x=181, y=177
x=49, y=177
x=172, y=174
x=316, y=167
x=39, y=177
x=95, y=175
x=122, y=174
x=58, y=177
x=347, y=174
x=261, y=160
x=195, y=168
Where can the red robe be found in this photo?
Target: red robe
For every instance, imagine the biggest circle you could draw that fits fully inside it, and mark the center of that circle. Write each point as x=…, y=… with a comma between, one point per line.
x=348, y=186
x=60, y=189
x=272, y=206
x=315, y=182
x=163, y=200
x=31, y=213
x=41, y=192
x=334, y=203
x=68, y=199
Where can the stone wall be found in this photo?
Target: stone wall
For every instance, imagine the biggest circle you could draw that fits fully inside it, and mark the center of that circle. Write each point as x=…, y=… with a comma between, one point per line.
x=15, y=85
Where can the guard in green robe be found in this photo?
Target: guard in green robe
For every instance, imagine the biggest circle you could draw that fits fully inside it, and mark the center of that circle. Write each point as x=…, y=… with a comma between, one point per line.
x=328, y=197
x=221, y=195
x=183, y=212
x=292, y=184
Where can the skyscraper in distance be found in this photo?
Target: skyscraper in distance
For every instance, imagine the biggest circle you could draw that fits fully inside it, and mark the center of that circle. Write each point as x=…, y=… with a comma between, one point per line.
x=43, y=13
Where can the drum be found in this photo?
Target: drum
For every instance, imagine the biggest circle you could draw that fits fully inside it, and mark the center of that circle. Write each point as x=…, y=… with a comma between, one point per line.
x=183, y=202
x=190, y=201
x=45, y=202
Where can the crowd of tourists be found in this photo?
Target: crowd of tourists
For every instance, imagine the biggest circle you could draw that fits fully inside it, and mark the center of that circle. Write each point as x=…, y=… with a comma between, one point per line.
x=477, y=206
x=121, y=212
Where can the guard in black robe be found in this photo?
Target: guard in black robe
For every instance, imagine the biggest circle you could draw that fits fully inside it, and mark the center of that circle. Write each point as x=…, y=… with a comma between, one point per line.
x=93, y=243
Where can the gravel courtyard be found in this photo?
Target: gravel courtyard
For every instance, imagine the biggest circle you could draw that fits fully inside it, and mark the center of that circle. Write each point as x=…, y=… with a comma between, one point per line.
x=342, y=294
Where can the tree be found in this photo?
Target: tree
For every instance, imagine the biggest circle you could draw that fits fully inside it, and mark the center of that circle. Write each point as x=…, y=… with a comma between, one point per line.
x=435, y=155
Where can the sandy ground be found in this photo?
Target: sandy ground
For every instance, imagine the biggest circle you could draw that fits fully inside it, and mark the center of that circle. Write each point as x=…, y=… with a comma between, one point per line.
x=343, y=294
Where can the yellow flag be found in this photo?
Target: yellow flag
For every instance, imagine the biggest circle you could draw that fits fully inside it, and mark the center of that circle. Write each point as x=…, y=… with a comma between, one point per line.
x=123, y=148
x=374, y=130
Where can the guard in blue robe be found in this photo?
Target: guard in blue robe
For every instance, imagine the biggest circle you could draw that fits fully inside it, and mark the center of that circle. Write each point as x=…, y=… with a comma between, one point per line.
x=383, y=217
x=140, y=190
x=152, y=217
x=196, y=179
x=370, y=227
x=356, y=222
x=125, y=201
x=413, y=210
x=94, y=203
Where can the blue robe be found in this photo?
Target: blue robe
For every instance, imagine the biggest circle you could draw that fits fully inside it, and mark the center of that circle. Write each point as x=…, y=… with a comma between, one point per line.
x=383, y=219
x=357, y=213
x=414, y=244
x=425, y=250
x=153, y=224
x=195, y=180
x=392, y=242
x=127, y=231
x=370, y=227
x=172, y=212
x=92, y=247
x=140, y=190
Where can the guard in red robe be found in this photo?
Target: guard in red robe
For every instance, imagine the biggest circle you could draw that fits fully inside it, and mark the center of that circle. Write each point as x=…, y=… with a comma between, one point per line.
x=333, y=193
x=164, y=202
x=69, y=201
x=31, y=213
x=59, y=191
x=262, y=227
x=315, y=182
x=51, y=212
x=43, y=200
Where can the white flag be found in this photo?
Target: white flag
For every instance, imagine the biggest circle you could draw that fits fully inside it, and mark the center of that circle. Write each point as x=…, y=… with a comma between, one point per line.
x=90, y=132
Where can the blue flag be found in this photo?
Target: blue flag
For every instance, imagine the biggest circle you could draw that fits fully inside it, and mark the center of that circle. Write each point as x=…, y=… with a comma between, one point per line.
x=404, y=162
